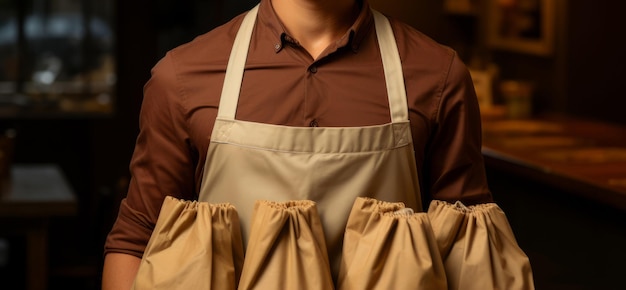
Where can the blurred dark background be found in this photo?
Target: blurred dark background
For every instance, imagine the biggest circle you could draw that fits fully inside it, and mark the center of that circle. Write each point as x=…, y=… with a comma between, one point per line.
x=90, y=134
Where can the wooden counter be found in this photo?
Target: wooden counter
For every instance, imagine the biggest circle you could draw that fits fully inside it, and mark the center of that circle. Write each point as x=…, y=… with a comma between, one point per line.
x=583, y=157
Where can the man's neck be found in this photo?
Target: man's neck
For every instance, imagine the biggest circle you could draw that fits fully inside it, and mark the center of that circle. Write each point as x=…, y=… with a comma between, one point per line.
x=316, y=23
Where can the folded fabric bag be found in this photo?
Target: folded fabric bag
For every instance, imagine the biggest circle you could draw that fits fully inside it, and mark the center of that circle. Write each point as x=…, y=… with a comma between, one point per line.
x=478, y=247
x=387, y=246
x=194, y=245
x=286, y=249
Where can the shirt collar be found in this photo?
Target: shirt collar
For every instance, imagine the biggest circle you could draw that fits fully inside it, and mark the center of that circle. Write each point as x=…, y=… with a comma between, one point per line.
x=353, y=37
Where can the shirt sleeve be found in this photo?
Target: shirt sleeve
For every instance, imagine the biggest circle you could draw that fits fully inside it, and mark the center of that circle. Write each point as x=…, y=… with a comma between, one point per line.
x=162, y=163
x=454, y=167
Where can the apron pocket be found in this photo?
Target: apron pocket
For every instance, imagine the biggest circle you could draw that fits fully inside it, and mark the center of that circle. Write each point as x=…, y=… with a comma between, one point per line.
x=286, y=249
x=194, y=245
x=387, y=246
x=478, y=247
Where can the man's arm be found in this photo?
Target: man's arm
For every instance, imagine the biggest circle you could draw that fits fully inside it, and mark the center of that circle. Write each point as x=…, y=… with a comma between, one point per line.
x=119, y=271
x=456, y=167
x=161, y=166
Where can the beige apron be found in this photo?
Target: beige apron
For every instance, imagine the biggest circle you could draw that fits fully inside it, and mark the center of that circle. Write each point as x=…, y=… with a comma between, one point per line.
x=248, y=161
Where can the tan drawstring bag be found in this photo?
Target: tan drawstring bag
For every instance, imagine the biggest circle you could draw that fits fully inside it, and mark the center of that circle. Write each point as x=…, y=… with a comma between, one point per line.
x=194, y=245
x=478, y=247
x=387, y=246
x=286, y=249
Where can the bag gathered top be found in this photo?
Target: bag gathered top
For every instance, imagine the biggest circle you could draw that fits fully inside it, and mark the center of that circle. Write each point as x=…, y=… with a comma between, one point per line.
x=197, y=245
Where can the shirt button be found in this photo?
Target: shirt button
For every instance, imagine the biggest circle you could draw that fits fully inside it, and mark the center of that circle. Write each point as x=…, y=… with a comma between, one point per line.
x=313, y=69
x=313, y=123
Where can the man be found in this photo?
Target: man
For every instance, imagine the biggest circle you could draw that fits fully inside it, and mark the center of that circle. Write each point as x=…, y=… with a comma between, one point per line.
x=321, y=116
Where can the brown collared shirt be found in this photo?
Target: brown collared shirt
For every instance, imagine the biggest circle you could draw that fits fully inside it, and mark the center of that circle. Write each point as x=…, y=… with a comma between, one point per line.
x=284, y=85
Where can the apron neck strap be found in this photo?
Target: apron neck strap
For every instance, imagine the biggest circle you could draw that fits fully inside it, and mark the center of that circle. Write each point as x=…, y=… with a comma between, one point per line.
x=392, y=66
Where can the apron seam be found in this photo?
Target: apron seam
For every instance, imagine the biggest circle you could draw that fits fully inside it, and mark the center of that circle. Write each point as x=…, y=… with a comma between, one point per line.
x=310, y=152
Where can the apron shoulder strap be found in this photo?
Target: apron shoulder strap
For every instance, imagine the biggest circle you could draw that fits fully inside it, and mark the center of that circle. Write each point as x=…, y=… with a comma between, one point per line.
x=392, y=66
x=235, y=68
